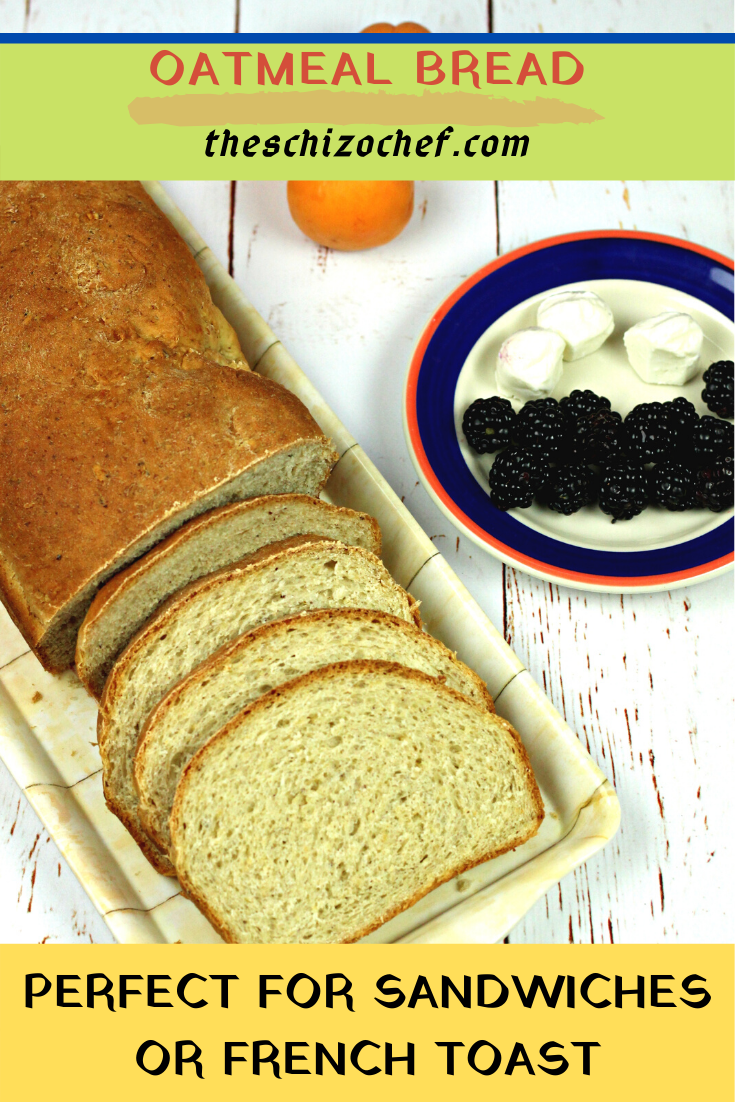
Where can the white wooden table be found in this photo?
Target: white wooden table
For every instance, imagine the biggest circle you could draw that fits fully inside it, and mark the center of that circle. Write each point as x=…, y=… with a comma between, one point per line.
x=644, y=680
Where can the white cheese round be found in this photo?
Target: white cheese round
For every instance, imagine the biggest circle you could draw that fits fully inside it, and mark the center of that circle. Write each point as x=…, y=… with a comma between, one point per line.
x=665, y=349
x=582, y=318
x=529, y=364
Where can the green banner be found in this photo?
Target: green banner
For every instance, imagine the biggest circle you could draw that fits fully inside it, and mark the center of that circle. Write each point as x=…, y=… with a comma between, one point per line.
x=372, y=110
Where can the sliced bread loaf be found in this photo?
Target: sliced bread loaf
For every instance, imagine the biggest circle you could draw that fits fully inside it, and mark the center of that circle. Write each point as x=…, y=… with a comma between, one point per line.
x=208, y=543
x=251, y=666
x=127, y=408
x=289, y=577
x=343, y=797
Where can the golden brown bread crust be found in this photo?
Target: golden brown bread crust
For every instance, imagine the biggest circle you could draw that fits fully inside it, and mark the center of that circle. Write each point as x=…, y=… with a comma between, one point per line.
x=323, y=674
x=117, y=585
x=120, y=409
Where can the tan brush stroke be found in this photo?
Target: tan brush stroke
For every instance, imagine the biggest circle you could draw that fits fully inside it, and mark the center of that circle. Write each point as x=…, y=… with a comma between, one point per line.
x=340, y=108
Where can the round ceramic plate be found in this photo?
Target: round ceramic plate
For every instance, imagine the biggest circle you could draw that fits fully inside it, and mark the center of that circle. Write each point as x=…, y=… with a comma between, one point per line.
x=639, y=275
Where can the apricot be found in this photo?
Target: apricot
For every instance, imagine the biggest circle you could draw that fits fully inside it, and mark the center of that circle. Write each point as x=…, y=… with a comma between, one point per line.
x=350, y=214
x=390, y=28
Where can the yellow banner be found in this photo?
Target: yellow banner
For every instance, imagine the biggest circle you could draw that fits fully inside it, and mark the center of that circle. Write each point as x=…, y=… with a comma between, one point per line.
x=518, y=1022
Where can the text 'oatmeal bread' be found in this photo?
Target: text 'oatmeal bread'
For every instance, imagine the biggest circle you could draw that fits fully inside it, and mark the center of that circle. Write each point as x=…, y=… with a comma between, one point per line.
x=205, y=544
x=342, y=798
x=296, y=575
x=126, y=407
x=251, y=666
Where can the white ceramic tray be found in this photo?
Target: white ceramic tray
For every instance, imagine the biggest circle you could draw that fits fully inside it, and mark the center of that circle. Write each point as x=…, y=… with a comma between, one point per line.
x=48, y=723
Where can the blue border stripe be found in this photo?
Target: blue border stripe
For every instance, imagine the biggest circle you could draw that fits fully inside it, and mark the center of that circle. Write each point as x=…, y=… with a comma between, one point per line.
x=488, y=39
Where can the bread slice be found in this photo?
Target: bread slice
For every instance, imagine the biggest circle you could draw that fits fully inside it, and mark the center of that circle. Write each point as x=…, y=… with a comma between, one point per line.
x=255, y=663
x=206, y=544
x=127, y=407
x=289, y=577
x=343, y=797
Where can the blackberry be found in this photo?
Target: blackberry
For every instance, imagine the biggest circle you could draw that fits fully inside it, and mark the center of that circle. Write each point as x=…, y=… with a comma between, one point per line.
x=515, y=476
x=717, y=394
x=541, y=426
x=714, y=488
x=598, y=437
x=488, y=424
x=623, y=490
x=710, y=438
x=569, y=488
x=580, y=402
x=672, y=485
x=683, y=417
x=650, y=436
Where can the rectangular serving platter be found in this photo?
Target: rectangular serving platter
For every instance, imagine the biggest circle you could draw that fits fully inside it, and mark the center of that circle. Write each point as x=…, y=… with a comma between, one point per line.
x=48, y=723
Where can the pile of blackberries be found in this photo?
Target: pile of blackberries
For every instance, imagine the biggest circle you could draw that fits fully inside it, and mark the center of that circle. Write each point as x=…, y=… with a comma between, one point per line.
x=579, y=451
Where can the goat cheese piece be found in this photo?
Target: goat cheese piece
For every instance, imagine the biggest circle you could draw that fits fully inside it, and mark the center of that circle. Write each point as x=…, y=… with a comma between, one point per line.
x=529, y=364
x=665, y=349
x=582, y=318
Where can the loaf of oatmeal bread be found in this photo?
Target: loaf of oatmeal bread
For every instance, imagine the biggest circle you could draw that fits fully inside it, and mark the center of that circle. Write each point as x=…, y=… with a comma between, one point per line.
x=126, y=407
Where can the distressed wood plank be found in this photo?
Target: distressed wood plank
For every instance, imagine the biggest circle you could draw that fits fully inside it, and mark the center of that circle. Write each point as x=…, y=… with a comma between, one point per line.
x=640, y=679
x=338, y=18
x=41, y=899
x=697, y=210
x=603, y=17
x=255, y=16
x=13, y=16
x=138, y=16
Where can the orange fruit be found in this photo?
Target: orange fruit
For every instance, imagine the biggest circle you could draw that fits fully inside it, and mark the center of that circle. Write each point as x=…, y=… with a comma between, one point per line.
x=401, y=28
x=350, y=214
